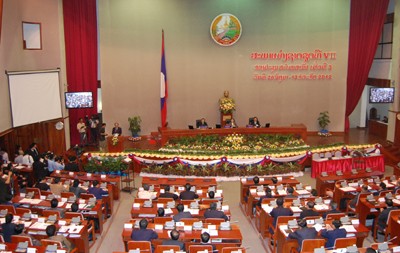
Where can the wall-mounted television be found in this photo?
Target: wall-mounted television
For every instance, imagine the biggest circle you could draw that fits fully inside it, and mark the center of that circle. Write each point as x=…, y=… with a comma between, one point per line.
x=78, y=99
x=381, y=95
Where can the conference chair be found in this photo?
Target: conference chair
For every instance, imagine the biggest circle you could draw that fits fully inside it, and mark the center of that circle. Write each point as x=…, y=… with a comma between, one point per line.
x=189, y=221
x=46, y=193
x=36, y=192
x=267, y=125
x=20, y=211
x=344, y=242
x=2, y=239
x=360, y=196
x=19, y=238
x=335, y=216
x=383, y=193
x=309, y=245
x=162, y=248
x=67, y=194
x=47, y=242
x=9, y=208
x=87, y=196
x=209, y=201
x=230, y=249
x=274, y=236
x=162, y=220
x=196, y=248
x=214, y=221
x=144, y=246
x=388, y=230
x=47, y=213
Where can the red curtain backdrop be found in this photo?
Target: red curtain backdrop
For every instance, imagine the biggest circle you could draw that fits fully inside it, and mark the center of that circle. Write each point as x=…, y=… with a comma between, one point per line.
x=366, y=22
x=80, y=29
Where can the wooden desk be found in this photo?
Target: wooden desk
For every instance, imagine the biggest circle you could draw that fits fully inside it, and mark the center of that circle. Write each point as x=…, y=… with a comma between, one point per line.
x=151, y=212
x=164, y=181
x=322, y=183
x=364, y=208
x=395, y=220
x=378, y=128
x=374, y=161
x=246, y=183
x=95, y=212
x=284, y=245
x=113, y=180
x=295, y=129
x=233, y=235
x=13, y=246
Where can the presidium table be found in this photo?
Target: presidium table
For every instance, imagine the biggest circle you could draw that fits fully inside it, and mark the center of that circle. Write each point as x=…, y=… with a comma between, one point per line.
x=295, y=129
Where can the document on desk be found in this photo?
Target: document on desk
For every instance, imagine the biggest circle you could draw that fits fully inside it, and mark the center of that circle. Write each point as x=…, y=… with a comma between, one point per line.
x=267, y=208
x=75, y=229
x=348, y=189
x=349, y=228
x=302, y=192
x=285, y=230
x=321, y=207
x=39, y=225
x=282, y=192
x=295, y=209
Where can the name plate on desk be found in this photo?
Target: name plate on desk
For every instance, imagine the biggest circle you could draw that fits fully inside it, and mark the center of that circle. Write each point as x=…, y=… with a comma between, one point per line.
x=71, y=174
x=128, y=225
x=103, y=176
x=187, y=228
x=89, y=174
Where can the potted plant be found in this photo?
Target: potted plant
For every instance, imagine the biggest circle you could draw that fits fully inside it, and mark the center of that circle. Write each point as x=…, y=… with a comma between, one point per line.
x=323, y=122
x=134, y=125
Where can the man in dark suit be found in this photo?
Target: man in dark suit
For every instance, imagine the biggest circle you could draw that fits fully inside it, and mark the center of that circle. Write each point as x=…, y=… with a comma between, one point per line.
x=353, y=202
x=143, y=234
x=331, y=234
x=279, y=211
x=290, y=191
x=384, y=215
x=202, y=123
x=255, y=123
x=187, y=194
x=39, y=169
x=174, y=240
x=309, y=211
x=33, y=151
x=72, y=165
x=116, y=129
x=181, y=214
x=96, y=190
x=303, y=233
x=214, y=213
x=8, y=227
x=333, y=209
x=205, y=240
x=268, y=195
x=168, y=194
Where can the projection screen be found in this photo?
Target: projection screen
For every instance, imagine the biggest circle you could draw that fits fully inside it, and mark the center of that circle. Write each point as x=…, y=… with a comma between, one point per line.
x=34, y=96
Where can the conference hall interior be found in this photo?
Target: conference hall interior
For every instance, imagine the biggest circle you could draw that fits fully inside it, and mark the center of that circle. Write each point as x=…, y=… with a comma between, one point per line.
x=199, y=126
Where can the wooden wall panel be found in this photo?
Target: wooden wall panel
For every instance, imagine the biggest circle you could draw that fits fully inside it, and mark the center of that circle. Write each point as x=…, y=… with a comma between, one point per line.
x=44, y=134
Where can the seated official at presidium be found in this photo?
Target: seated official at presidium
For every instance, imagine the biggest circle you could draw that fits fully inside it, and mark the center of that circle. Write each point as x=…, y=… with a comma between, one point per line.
x=202, y=123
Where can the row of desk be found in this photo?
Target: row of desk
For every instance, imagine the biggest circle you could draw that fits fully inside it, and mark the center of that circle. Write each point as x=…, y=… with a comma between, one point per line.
x=331, y=165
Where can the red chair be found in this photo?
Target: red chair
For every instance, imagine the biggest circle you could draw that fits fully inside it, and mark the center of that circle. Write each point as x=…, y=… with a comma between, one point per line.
x=144, y=246
x=196, y=248
x=20, y=238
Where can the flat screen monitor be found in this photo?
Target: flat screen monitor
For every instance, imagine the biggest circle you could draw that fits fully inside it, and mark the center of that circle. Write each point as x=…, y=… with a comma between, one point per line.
x=381, y=95
x=78, y=99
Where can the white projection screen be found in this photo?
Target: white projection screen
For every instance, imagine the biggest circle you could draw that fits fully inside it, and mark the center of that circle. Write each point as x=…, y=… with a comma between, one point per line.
x=34, y=96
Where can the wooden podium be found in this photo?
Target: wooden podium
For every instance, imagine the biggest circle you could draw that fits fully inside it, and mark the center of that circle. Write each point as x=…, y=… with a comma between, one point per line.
x=224, y=118
x=119, y=147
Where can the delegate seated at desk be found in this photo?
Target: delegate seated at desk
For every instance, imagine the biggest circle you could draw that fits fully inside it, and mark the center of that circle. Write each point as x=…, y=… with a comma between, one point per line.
x=231, y=123
x=202, y=124
x=303, y=233
x=255, y=123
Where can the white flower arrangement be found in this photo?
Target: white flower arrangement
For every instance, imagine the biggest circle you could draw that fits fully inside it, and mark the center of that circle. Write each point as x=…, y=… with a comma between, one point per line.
x=226, y=105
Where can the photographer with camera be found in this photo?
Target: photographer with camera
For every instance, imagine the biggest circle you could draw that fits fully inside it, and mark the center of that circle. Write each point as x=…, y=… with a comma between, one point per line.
x=5, y=189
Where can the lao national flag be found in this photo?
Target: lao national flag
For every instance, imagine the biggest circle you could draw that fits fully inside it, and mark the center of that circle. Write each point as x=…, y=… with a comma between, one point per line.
x=163, y=86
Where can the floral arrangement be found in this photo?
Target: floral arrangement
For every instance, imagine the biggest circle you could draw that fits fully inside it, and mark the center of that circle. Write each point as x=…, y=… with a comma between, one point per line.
x=222, y=169
x=134, y=139
x=235, y=144
x=114, y=140
x=324, y=133
x=105, y=164
x=226, y=105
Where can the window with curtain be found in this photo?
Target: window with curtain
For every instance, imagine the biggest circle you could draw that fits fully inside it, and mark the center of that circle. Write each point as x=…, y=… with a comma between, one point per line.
x=384, y=49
